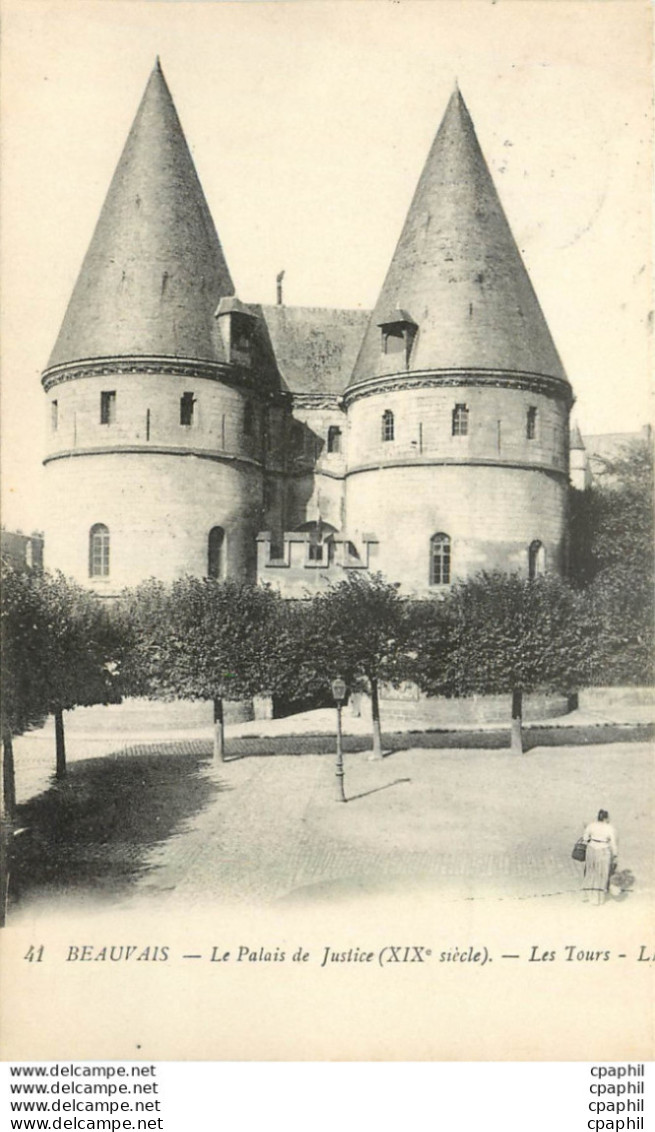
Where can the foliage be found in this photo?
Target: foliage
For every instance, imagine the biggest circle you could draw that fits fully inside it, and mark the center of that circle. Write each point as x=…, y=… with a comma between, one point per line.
x=511, y=634
x=432, y=627
x=356, y=629
x=58, y=647
x=615, y=522
x=198, y=639
x=23, y=647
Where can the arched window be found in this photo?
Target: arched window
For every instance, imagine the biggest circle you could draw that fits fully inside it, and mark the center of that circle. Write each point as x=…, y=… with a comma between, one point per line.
x=334, y=439
x=215, y=552
x=460, y=420
x=387, y=425
x=99, y=551
x=440, y=560
x=536, y=559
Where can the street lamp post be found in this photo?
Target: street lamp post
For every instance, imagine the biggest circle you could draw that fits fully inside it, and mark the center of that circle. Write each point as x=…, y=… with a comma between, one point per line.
x=339, y=695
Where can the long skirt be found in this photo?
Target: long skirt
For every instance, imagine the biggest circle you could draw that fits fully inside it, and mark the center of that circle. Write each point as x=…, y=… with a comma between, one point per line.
x=597, y=869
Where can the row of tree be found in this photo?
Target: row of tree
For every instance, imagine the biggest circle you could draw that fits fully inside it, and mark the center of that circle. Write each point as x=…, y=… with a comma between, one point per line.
x=206, y=640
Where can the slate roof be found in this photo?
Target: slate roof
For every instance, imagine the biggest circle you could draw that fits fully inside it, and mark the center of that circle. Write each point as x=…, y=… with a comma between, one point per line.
x=315, y=347
x=457, y=269
x=155, y=272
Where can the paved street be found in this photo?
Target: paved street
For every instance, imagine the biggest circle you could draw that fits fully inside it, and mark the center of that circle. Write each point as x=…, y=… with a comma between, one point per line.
x=170, y=826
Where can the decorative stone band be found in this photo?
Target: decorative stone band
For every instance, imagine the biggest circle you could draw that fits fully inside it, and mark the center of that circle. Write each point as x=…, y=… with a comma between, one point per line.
x=155, y=450
x=554, y=387
x=468, y=462
x=317, y=400
x=166, y=366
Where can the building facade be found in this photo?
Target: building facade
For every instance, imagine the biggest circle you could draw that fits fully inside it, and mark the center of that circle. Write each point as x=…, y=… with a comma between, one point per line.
x=192, y=432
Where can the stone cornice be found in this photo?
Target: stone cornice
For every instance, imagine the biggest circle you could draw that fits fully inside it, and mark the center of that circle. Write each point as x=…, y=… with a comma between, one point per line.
x=154, y=450
x=548, y=386
x=162, y=366
x=317, y=400
x=459, y=461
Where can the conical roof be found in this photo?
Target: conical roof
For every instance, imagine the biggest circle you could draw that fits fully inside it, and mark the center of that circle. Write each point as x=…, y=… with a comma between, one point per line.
x=576, y=440
x=155, y=271
x=458, y=272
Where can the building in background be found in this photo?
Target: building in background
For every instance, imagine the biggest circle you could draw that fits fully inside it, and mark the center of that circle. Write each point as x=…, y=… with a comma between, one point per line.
x=193, y=432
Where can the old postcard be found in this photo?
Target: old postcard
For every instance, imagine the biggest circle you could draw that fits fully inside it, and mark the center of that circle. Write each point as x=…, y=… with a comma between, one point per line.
x=350, y=300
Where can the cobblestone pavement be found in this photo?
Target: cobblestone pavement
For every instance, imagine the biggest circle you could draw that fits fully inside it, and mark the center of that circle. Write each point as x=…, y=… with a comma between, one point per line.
x=473, y=824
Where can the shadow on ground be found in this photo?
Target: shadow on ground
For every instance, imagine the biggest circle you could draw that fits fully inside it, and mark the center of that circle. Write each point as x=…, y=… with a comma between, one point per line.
x=91, y=832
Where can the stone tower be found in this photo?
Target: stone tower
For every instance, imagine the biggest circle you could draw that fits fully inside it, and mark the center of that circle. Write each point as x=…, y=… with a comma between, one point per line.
x=458, y=405
x=158, y=385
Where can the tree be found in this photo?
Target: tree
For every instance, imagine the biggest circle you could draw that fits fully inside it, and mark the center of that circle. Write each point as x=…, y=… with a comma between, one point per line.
x=23, y=699
x=431, y=639
x=358, y=629
x=80, y=652
x=200, y=639
x=613, y=558
x=512, y=635
x=58, y=646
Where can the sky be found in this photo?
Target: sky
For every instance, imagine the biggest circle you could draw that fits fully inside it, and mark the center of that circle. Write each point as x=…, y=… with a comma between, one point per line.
x=309, y=123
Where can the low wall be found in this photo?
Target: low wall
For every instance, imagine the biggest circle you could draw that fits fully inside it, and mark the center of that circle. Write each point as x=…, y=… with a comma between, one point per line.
x=595, y=698
x=471, y=709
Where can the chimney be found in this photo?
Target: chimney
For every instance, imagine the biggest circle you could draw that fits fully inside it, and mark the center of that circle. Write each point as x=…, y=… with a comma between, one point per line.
x=278, y=280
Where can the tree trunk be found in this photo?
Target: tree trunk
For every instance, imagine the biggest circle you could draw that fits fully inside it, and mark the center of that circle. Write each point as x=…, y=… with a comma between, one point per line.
x=7, y=811
x=375, y=715
x=219, y=731
x=60, y=744
x=8, y=776
x=517, y=721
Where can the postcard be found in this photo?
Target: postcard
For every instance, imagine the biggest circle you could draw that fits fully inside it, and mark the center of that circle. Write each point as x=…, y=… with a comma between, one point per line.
x=309, y=294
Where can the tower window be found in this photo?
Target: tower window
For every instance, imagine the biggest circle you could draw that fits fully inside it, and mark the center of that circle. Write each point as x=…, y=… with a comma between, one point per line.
x=531, y=423
x=297, y=439
x=99, y=551
x=54, y=415
x=108, y=406
x=536, y=559
x=393, y=339
x=215, y=544
x=398, y=332
x=460, y=420
x=440, y=560
x=248, y=419
x=187, y=403
x=334, y=439
x=388, y=430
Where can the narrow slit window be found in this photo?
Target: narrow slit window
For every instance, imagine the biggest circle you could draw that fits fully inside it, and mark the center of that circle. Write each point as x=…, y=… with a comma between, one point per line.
x=108, y=406
x=388, y=425
x=187, y=405
x=99, y=551
x=531, y=423
x=440, y=560
x=460, y=420
x=54, y=415
x=248, y=419
x=334, y=439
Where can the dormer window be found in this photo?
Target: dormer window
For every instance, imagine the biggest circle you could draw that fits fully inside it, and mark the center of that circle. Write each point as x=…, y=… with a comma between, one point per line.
x=237, y=324
x=398, y=331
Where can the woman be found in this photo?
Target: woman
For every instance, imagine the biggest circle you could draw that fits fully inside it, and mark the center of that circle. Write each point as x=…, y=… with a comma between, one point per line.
x=602, y=853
